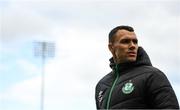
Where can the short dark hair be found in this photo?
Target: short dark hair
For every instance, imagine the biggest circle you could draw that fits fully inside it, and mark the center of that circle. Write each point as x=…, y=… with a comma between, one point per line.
x=122, y=27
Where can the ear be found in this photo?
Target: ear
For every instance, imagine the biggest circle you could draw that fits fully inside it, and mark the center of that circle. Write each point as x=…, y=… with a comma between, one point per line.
x=111, y=48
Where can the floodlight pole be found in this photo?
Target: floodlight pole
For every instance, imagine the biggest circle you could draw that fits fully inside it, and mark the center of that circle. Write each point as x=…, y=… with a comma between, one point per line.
x=44, y=49
x=43, y=74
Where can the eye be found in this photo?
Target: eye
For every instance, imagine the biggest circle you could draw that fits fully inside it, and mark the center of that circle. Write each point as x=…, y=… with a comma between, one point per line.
x=135, y=41
x=125, y=41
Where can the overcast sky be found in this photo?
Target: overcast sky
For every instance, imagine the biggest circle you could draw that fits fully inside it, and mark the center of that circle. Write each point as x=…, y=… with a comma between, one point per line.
x=79, y=30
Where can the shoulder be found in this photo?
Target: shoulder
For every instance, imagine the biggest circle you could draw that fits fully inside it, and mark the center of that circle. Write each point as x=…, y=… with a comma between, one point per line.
x=151, y=74
x=156, y=78
x=150, y=71
x=154, y=72
x=106, y=79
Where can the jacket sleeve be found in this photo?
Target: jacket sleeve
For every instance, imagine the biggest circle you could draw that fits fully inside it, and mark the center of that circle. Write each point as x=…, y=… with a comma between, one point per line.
x=160, y=94
x=96, y=96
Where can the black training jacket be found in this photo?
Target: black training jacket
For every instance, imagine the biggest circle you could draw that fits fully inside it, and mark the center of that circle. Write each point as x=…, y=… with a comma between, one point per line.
x=136, y=85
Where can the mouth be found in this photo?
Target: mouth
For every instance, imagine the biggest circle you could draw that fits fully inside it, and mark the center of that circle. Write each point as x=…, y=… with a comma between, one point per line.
x=132, y=54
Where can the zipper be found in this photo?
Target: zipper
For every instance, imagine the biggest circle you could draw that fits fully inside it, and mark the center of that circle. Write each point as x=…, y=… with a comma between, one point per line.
x=112, y=88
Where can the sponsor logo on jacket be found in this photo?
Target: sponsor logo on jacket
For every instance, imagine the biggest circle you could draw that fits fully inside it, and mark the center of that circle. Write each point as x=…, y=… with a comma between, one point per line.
x=100, y=96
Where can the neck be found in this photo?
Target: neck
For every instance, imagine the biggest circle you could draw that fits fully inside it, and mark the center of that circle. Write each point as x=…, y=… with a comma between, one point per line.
x=118, y=61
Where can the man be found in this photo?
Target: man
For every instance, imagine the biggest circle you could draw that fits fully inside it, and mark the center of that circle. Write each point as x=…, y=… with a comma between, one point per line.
x=133, y=82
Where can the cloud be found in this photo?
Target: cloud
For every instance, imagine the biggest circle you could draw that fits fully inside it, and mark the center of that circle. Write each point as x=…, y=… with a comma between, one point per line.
x=27, y=67
x=26, y=91
x=38, y=19
x=19, y=23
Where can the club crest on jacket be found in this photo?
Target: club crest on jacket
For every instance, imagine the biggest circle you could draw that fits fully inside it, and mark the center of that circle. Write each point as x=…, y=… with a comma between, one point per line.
x=128, y=88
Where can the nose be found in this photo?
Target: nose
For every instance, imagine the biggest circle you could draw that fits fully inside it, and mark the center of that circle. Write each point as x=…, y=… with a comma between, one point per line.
x=132, y=45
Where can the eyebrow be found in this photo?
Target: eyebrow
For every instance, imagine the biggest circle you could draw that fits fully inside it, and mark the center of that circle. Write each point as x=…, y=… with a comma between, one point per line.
x=129, y=39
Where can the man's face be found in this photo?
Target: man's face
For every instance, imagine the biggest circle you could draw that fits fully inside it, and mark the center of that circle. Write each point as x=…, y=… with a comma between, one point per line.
x=125, y=46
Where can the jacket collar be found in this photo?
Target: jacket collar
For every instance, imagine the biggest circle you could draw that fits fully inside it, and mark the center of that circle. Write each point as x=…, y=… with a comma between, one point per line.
x=142, y=60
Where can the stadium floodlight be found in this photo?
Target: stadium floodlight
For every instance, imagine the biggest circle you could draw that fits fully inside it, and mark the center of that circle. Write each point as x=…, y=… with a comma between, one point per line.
x=43, y=49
